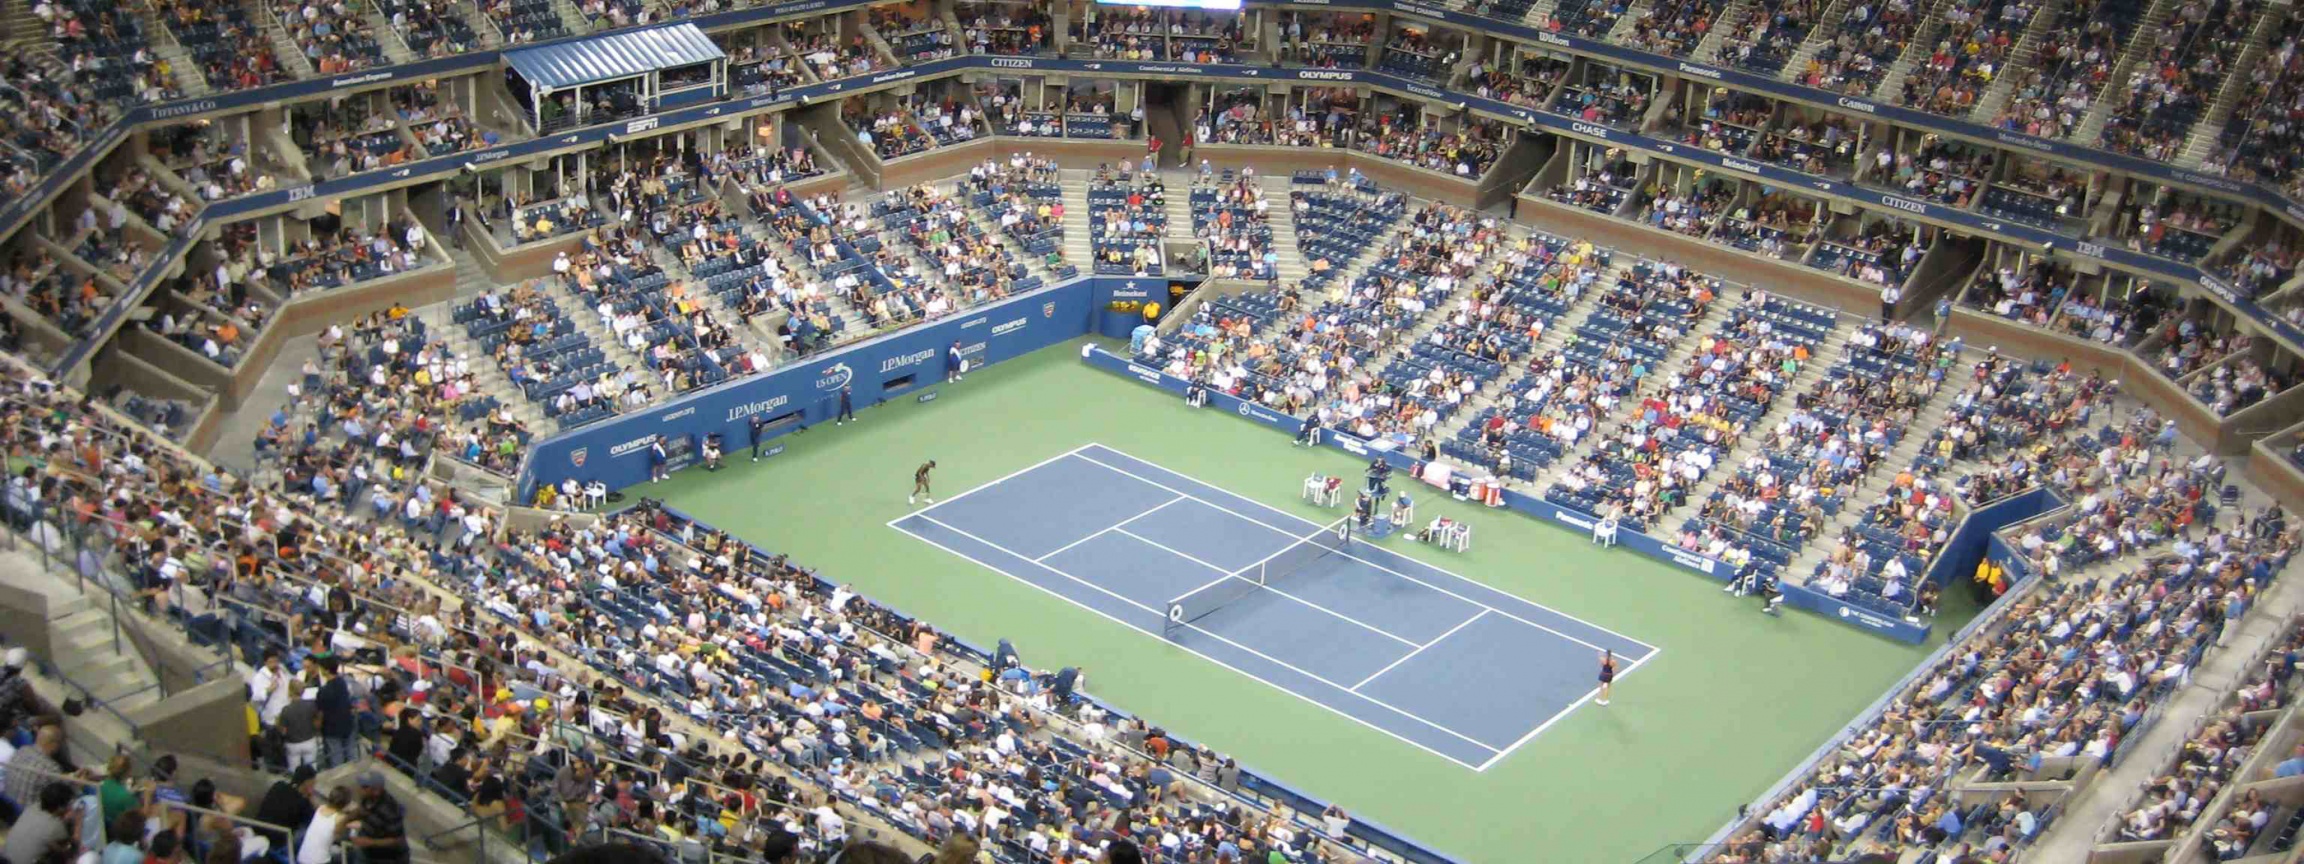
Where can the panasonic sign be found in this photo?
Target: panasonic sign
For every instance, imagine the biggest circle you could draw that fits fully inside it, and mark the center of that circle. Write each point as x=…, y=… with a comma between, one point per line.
x=1700, y=71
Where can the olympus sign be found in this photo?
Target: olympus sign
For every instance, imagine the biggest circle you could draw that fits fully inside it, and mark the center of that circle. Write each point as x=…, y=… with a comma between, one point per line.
x=1006, y=327
x=629, y=447
x=1322, y=75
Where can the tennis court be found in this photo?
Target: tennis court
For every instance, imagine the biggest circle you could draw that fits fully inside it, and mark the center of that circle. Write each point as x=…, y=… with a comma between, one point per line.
x=1441, y=662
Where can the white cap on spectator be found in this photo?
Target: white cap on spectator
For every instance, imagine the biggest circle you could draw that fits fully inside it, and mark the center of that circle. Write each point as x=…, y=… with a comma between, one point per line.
x=17, y=657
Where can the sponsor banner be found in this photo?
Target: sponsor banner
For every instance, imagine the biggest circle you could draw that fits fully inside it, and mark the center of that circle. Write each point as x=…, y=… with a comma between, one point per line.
x=1801, y=597
x=611, y=450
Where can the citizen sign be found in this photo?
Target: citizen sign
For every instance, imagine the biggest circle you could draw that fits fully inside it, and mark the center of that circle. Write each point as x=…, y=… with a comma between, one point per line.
x=1011, y=63
x=1905, y=204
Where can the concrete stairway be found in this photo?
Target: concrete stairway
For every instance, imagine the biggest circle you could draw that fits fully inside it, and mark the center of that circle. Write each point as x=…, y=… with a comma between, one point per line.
x=1755, y=435
x=1932, y=27
x=1708, y=50
x=1556, y=336
x=588, y=322
x=2202, y=142
x=1876, y=481
x=189, y=75
x=482, y=25
x=99, y=660
x=284, y=47
x=798, y=268
x=1827, y=26
x=2116, y=94
x=394, y=43
x=1290, y=263
x=572, y=17
x=1540, y=12
x=1077, y=247
x=2044, y=21
x=1714, y=318
x=1621, y=32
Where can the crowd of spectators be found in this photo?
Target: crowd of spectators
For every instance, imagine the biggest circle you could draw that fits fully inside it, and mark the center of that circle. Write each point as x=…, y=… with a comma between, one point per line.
x=441, y=127
x=2069, y=70
x=1674, y=27
x=1970, y=49
x=970, y=265
x=1948, y=171
x=335, y=37
x=889, y=132
x=1005, y=28
x=1766, y=35
x=1618, y=100
x=1466, y=151
x=914, y=38
x=1230, y=217
x=432, y=28
x=2260, y=141
x=2153, y=619
x=2173, y=801
x=2169, y=88
x=233, y=53
x=1871, y=34
x=1603, y=189
x=340, y=252
x=831, y=58
x=1127, y=222
x=1130, y=33
x=2029, y=293
x=1695, y=210
x=1023, y=195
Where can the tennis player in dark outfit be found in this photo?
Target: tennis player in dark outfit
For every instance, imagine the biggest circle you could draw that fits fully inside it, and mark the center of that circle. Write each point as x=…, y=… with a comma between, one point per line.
x=920, y=483
x=1607, y=673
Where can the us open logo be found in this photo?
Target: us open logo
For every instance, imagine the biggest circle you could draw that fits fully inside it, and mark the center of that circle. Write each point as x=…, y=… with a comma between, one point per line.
x=577, y=456
x=1048, y=309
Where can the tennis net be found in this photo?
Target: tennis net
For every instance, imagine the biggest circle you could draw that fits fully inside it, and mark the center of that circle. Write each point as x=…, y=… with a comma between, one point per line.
x=1206, y=599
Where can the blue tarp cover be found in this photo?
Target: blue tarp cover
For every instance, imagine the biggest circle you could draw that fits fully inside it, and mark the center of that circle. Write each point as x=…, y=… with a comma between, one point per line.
x=562, y=65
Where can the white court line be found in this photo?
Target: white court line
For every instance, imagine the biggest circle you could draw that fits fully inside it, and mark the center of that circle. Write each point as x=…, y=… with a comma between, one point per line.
x=1101, y=533
x=995, y=482
x=1347, y=554
x=1231, y=575
x=1540, y=727
x=1419, y=650
x=1220, y=638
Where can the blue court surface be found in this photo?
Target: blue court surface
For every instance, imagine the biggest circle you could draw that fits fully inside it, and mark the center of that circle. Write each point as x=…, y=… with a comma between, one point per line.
x=1429, y=657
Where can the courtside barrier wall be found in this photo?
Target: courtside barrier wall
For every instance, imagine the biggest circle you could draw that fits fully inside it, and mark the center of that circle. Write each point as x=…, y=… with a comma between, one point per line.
x=904, y=364
x=1259, y=787
x=1969, y=544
